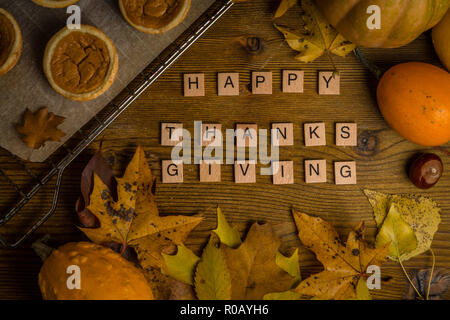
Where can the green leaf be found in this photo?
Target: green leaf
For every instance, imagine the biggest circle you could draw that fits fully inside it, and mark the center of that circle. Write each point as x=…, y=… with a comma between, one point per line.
x=212, y=276
x=227, y=234
x=290, y=265
x=181, y=266
x=398, y=234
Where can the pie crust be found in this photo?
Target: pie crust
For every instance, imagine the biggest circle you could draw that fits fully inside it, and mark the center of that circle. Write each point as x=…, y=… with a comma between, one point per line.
x=154, y=16
x=80, y=64
x=55, y=3
x=10, y=41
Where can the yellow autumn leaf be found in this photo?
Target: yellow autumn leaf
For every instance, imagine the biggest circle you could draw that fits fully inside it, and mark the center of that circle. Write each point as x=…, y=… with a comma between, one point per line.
x=320, y=36
x=397, y=234
x=283, y=7
x=133, y=220
x=419, y=212
x=212, y=276
x=253, y=267
x=181, y=265
x=362, y=291
x=290, y=264
x=284, y=295
x=227, y=234
x=343, y=265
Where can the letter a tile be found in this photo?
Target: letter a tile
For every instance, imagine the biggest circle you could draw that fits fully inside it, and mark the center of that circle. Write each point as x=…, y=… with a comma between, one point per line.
x=228, y=84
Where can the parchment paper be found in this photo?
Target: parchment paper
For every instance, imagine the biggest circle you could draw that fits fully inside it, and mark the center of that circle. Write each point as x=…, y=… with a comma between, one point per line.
x=27, y=87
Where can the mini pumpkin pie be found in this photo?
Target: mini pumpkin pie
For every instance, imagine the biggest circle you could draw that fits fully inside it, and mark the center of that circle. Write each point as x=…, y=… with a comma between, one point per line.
x=81, y=64
x=55, y=3
x=10, y=41
x=154, y=16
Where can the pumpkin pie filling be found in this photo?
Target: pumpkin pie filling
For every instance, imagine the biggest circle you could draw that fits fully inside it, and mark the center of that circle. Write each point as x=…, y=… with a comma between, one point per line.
x=7, y=38
x=80, y=62
x=152, y=13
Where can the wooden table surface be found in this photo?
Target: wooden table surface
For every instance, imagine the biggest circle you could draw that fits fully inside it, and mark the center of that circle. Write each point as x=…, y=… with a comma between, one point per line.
x=381, y=154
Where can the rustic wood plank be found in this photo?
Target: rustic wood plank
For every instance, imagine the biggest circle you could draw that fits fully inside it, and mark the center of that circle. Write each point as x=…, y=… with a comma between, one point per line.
x=244, y=41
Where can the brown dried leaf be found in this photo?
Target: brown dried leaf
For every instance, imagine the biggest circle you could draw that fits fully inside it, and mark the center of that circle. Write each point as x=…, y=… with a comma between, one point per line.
x=40, y=127
x=104, y=171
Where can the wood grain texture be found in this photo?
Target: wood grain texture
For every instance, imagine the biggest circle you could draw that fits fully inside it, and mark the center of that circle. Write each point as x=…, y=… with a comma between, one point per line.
x=243, y=41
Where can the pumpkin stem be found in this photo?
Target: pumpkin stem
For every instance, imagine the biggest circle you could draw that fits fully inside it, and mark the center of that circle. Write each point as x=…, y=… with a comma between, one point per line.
x=41, y=248
x=372, y=67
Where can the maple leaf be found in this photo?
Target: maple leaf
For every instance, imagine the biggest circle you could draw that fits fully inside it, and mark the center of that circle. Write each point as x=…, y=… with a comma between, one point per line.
x=232, y=269
x=320, y=36
x=133, y=220
x=40, y=127
x=253, y=267
x=419, y=212
x=343, y=265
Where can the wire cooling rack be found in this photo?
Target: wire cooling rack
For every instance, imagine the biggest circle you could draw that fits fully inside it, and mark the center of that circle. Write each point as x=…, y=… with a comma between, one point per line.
x=33, y=177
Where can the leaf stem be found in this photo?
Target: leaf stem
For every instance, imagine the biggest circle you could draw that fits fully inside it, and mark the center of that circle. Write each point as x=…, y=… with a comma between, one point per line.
x=409, y=279
x=431, y=274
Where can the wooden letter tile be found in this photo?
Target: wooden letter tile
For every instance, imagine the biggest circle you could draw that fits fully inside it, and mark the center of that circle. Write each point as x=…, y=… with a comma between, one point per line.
x=247, y=135
x=262, y=82
x=228, y=84
x=293, y=81
x=283, y=172
x=210, y=171
x=211, y=135
x=315, y=134
x=244, y=172
x=329, y=83
x=345, y=172
x=194, y=85
x=171, y=134
x=172, y=171
x=346, y=134
x=282, y=134
x=315, y=171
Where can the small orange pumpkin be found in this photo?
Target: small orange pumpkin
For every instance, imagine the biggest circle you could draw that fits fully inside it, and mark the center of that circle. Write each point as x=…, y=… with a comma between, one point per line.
x=105, y=275
x=415, y=101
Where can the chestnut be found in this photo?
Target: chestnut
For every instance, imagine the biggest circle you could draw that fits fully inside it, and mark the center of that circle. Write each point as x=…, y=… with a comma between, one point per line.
x=426, y=170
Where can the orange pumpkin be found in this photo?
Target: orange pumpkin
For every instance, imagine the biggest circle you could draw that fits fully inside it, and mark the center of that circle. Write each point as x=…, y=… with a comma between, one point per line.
x=105, y=275
x=402, y=21
x=415, y=101
x=441, y=40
